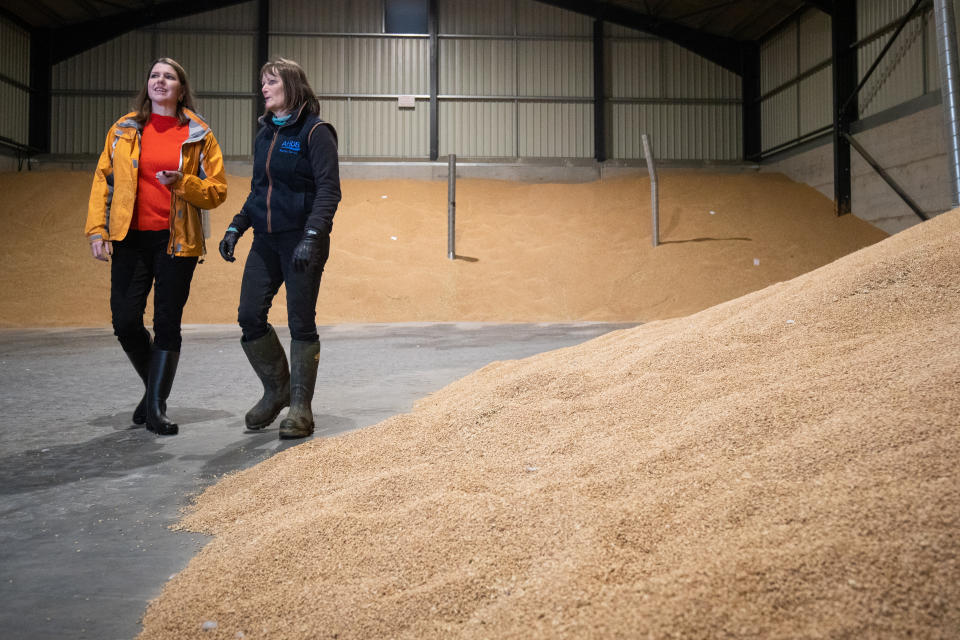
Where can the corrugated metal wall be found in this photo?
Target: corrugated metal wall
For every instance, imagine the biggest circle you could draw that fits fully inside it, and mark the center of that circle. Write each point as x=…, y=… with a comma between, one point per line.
x=873, y=15
x=14, y=52
x=478, y=128
x=217, y=49
x=80, y=123
x=796, y=73
x=689, y=107
x=778, y=57
x=469, y=17
x=678, y=131
x=14, y=82
x=515, y=81
x=359, y=74
x=119, y=65
x=478, y=67
x=901, y=75
x=310, y=16
x=932, y=73
x=813, y=29
x=815, y=90
x=537, y=59
x=365, y=75
x=778, y=117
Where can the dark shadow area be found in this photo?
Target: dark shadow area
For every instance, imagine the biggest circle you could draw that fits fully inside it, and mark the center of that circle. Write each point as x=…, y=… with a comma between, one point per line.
x=123, y=421
x=465, y=258
x=241, y=454
x=705, y=240
x=327, y=425
x=111, y=456
x=476, y=338
x=193, y=415
x=672, y=221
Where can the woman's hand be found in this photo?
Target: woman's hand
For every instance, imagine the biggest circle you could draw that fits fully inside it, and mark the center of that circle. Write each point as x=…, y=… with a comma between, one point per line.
x=306, y=251
x=168, y=177
x=228, y=244
x=102, y=249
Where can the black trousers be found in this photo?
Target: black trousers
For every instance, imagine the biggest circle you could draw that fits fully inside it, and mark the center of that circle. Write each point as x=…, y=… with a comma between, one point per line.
x=140, y=261
x=270, y=264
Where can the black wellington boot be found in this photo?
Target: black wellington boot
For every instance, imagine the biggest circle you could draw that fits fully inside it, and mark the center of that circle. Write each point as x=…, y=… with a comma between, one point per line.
x=140, y=359
x=269, y=361
x=304, y=359
x=163, y=369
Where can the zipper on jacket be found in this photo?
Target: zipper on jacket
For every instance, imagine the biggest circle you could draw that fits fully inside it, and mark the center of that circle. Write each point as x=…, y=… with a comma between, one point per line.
x=270, y=180
x=171, y=246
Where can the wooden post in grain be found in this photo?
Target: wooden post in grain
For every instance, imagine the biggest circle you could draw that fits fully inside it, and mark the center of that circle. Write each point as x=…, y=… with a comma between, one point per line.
x=654, y=196
x=451, y=205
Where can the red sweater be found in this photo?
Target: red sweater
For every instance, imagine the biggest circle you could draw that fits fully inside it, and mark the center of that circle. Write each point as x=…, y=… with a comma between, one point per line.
x=159, y=150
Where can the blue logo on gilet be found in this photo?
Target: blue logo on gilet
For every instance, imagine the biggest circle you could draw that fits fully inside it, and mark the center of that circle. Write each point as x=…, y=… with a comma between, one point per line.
x=290, y=146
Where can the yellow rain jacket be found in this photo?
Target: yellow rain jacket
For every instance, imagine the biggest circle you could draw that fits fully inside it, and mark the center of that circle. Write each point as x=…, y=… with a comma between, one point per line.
x=114, y=191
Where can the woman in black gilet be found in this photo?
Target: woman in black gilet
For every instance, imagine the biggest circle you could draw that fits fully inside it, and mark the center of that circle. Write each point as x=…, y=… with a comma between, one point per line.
x=294, y=194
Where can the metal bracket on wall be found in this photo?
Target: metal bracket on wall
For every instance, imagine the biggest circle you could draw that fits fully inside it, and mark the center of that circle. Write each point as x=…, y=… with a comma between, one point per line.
x=24, y=153
x=886, y=177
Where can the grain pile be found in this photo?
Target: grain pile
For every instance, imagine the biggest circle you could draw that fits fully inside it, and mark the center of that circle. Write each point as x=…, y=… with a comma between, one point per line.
x=529, y=252
x=786, y=464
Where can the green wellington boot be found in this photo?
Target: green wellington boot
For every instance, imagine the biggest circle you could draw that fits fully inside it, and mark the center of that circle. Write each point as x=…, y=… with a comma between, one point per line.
x=269, y=361
x=304, y=359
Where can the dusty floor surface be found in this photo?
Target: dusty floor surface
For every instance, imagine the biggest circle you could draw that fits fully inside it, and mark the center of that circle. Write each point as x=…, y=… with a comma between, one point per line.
x=781, y=465
x=528, y=252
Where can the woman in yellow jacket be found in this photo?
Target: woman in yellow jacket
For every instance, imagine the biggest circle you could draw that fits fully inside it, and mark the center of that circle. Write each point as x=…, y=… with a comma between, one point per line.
x=160, y=167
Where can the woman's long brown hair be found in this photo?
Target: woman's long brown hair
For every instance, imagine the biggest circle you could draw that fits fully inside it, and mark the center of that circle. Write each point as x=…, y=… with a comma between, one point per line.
x=296, y=88
x=144, y=106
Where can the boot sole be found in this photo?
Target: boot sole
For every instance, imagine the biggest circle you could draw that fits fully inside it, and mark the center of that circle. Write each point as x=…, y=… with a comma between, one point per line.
x=170, y=431
x=295, y=436
x=260, y=426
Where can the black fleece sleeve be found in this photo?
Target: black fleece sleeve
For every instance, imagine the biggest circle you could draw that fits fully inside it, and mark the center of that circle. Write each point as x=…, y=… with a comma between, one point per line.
x=240, y=222
x=326, y=176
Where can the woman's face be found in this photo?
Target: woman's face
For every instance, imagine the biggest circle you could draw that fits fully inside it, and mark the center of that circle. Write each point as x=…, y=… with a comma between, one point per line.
x=272, y=89
x=163, y=87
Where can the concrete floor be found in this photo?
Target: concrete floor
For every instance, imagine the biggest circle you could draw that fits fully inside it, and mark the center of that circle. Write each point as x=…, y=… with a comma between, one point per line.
x=86, y=498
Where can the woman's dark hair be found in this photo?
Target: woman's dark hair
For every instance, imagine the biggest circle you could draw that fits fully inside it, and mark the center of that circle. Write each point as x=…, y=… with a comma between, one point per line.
x=142, y=102
x=296, y=88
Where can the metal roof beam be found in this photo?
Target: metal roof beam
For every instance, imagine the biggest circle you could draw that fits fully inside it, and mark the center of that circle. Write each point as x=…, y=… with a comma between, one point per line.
x=719, y=50
x=15, y=19
x=757, y=17
x=89, y=8
x=824, y=5
x=73, y=39
x=47, y=12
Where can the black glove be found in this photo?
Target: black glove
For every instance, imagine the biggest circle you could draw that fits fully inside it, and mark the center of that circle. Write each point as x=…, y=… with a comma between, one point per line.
x=228, y=243
x=307, y=249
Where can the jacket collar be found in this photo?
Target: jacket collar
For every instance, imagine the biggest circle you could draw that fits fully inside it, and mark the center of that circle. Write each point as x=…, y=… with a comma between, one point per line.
x=264, y=120
x=197, y=126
